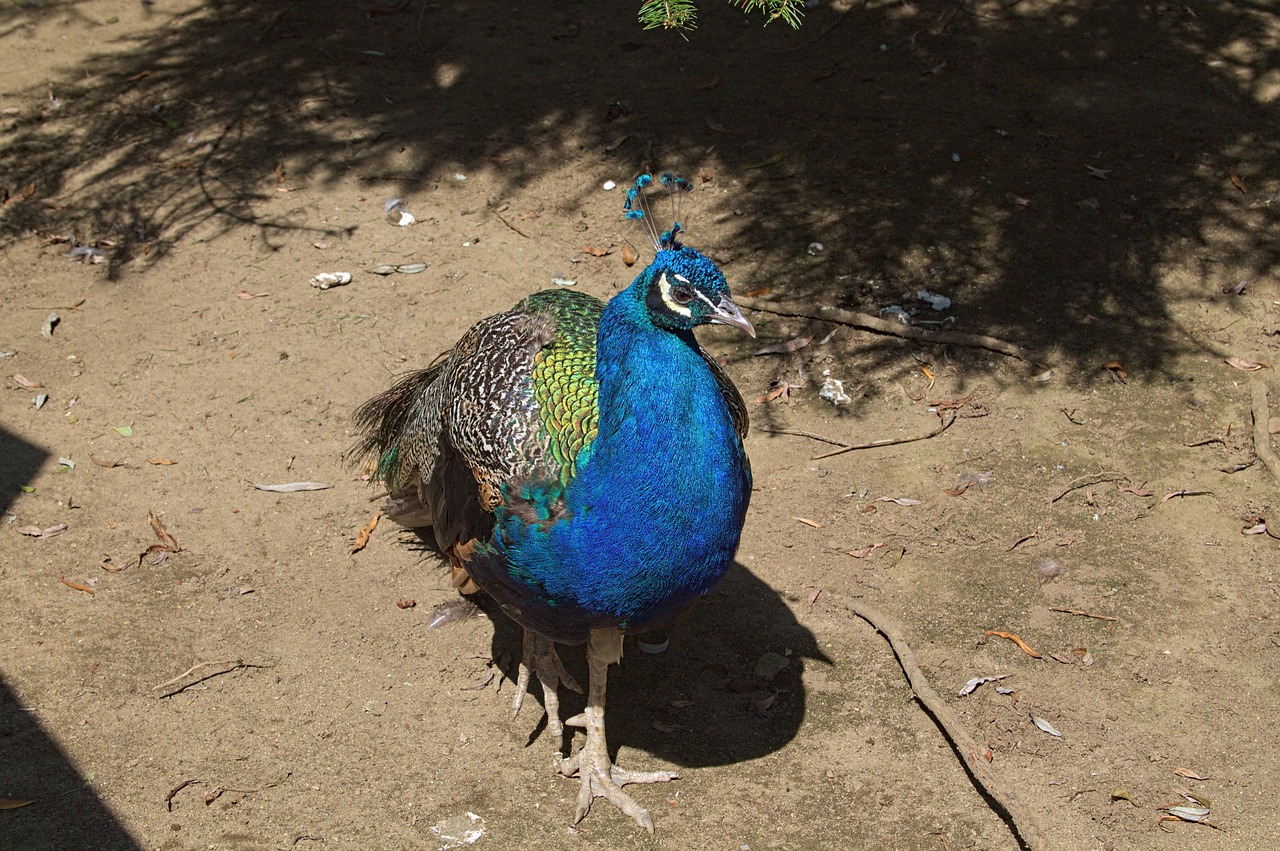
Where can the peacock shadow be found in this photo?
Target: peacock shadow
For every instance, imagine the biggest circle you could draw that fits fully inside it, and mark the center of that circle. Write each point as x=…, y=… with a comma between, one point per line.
x=728, y=688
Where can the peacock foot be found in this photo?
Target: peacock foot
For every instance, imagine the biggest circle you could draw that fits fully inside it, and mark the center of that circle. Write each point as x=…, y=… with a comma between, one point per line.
x=602, y=779
x=540, y=658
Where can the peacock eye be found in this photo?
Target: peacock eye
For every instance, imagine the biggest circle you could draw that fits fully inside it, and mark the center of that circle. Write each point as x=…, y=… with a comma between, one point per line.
x=681, y=295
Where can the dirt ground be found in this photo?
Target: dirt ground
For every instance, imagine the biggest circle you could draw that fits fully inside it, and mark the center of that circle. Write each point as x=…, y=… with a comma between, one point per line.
x=1093, y=181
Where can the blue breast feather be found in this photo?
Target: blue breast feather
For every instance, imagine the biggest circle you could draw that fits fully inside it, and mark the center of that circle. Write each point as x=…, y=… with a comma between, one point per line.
x=651, y=522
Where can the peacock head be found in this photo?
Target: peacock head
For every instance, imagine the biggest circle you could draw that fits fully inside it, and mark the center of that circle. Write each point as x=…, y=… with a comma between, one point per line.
x=683, y=288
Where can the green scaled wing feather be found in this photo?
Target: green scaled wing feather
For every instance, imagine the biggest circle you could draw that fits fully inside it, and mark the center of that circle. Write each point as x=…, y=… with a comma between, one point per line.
x=564, y=382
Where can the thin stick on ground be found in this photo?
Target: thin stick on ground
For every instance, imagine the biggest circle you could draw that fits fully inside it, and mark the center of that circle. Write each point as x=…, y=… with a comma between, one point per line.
x=503, y=219
x=1082, y=614
x=236, y=664
x=1091, y=479
x=888, y=441
x=1024, y=823
x=1261, y=437
x=795, y=432
x=885, y=326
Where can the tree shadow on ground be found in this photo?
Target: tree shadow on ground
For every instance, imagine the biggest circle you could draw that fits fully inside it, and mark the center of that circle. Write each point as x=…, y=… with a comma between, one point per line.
x=1044, y=164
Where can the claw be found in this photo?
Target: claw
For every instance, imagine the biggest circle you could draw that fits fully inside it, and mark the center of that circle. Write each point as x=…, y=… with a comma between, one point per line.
x=600, y=777
x=540, y=658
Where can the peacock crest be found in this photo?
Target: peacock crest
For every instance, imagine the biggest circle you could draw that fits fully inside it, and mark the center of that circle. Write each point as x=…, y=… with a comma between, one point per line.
x=638, y=208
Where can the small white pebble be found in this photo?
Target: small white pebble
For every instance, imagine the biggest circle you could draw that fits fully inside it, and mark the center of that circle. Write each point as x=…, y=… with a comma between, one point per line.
x=609, y=186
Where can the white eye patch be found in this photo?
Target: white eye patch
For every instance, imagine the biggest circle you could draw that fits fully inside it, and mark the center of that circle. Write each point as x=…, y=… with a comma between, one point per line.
x=664, y=286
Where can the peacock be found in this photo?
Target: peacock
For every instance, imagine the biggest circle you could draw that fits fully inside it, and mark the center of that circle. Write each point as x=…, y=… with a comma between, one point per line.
x=584, y=464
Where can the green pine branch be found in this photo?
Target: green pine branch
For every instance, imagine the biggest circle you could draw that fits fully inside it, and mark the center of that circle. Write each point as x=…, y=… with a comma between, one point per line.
x=683, y=15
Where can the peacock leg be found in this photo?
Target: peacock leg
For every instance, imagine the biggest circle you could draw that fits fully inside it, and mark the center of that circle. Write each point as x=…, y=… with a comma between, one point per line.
x=540, y=658
x=600, y=777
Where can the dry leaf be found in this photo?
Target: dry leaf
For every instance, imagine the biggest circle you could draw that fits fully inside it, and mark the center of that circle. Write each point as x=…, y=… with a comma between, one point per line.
x=362, y=539
x=37, y=532
x=85, y=588
x=1170, y=496
x=25, y=382
x=973, y=684
x=292, y=487
x=107, y=464
x=1117, y=371
x=596, y=250
x=1244, y=365
x=783, y=390
x=245, y=295
x=163, y=534
x=1016, y=639
x=14, y=803
x=901, y=500
x=863, y=552
x=162, y=462
x=629, y=255
x=1121, y=795
x=406, y=603
x=806, y=521
x=1188, y=813
x=960, y=490
x=1237, y=181
x=1188, y=773
x=1045, y=726
x=786, y=346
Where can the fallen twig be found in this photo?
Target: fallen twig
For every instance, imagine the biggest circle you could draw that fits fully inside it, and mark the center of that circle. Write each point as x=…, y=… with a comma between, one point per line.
x=1023, y=822
x=236, y=664
x=503, y=219
x=1261, y=439
x=809, y=434
x=889, y=441
x=168, y=799
x=1082, y=614
x=886, y=326
x=1022, y=540
x=1085, y=481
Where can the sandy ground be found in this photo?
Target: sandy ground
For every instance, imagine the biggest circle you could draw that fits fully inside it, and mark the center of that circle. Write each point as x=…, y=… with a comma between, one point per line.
x=1094, y=182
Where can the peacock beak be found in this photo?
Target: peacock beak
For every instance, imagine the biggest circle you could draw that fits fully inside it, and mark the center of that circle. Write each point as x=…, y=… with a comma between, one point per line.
x=727, y=313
